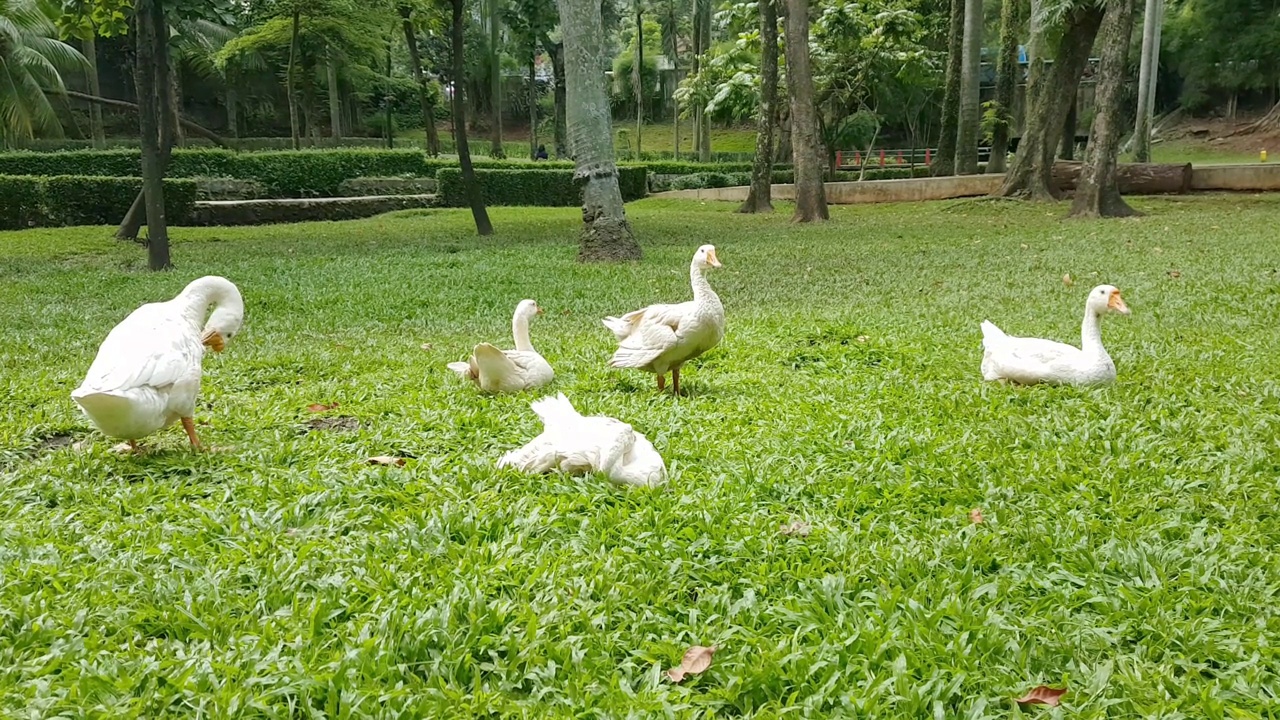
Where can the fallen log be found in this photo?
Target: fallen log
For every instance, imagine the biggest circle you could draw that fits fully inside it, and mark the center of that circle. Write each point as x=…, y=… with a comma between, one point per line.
x=1132, y=178
x=191, y=126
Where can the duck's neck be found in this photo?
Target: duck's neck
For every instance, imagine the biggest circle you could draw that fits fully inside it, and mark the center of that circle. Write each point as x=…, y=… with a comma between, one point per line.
x=208, y=292
x=520, y=330
x=701, y=288
x=1091, y=334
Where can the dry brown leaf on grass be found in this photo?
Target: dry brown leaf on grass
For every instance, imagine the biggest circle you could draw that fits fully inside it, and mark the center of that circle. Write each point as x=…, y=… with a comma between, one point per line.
x=696, y=660
x=426, y=346
x=320, y=407
x=1175, y=274
x=1066, y=280
x=386, y=460
x=799, y=528
x=1042, y=695
x=975, y=516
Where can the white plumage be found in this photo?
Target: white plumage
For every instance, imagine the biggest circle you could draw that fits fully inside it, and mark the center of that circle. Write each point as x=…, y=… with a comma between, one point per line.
x=577, y=445
x=147, y=372
x=499, y=371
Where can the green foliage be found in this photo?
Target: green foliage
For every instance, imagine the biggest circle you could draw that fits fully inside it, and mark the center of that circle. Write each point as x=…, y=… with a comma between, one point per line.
x=1221, y=47
x=32, y=60
x=547, y=188
x=83, y=200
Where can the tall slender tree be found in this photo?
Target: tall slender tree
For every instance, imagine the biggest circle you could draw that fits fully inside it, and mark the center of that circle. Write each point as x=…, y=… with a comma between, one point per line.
x=606, y=234
x=425, y=98
x=759, y=197
x=1007, y=72
x=811, y=194
x=637, y=75
x=1097, y=194
x=944, y=163
x=151, y=75
x=470, y=186
x=493, y=18
x=1146, y=76
x=969, y=130
x=90, y=49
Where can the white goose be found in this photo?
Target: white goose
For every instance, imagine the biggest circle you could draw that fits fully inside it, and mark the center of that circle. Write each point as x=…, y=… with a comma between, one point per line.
x=147, y=372
x=577, y=445
x=662, y=338
x=498, y=371
x=1032, y=360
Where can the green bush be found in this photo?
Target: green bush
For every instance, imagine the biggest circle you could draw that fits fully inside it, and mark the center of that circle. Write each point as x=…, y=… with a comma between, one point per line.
x=20, y=205
x=78, y=200
x=106, y=163
x=370, y=186
x=548, y=188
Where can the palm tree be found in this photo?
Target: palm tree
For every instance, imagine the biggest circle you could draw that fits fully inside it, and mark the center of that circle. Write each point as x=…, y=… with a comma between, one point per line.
x=32, y=61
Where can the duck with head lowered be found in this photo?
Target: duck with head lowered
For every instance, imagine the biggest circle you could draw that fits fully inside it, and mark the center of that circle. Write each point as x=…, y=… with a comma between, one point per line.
x=147, y=372
x=662, y=338
x=508, y=371
x=1027, y=361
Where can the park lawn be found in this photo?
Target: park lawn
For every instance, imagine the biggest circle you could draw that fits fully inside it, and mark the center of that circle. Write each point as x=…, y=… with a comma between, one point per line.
x=1128, y=548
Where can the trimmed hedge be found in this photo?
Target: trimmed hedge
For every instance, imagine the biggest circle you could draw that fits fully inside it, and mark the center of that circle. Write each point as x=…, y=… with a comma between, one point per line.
x=547, y=188
x=374, y=186
x=80, y=200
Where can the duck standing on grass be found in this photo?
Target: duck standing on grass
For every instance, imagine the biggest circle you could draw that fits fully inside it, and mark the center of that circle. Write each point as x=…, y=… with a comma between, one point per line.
x=147, y=372
x=1027, y=361
x=662, y=338
x=499, y=371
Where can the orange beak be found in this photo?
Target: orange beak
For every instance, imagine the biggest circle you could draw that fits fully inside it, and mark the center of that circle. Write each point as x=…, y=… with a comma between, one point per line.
x=539, y=310
x=712, y=259
x=213, y=339
x=1115, y=302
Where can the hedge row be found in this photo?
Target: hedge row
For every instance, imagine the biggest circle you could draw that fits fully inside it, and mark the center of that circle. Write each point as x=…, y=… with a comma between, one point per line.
x=548, y=188
x=79, y=200
x=286, y=174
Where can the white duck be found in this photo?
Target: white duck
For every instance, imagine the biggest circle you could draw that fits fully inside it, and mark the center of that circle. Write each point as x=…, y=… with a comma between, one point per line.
x=499, y=371
x=1031, y=360
x=659, y=338
x=147, y=372
x=577, y=445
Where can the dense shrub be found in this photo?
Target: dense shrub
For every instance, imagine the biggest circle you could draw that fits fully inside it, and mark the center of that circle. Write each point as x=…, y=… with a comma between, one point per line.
x=368, y=186
x=106, y=163
x=20, y=203
x=78, y=200
x=225, y=188
x=550, y=188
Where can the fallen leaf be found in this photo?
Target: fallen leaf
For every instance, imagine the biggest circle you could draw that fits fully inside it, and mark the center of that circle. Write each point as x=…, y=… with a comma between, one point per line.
x=696, y=660
x=1042, y=695
x=1175, y=274
x=426, y=346
x=1024, y=246
x=863, y=338
x=1066, y=280
x=975, y=516
x=798, y=528
x=386, y=460
x=318, y=407
x=1158, y=250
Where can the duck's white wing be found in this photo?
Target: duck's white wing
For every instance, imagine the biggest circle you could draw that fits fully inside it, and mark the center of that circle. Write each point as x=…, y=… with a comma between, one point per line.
x=154, y=347
x=654, y=331
x=1032, y=359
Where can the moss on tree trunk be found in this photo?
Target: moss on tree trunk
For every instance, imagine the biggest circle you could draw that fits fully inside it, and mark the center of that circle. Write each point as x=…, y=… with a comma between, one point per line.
x=759, y=198
x=811, y=194
x=944, y=163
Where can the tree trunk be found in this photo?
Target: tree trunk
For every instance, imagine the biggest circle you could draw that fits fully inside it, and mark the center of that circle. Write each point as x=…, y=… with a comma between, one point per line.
x=424, y=97
x=533, y=105
x=233, y=110
x=1097, y=194
x=472, y=188
x=561, y=125
x=89, y=48
x=944, y=163
x=1007, y=72
x=969, y=132
x=290, y=86
x=1146, y=76
x=310, y=107
x=638, y=74
x=175, y=102
x=335, y=99
x=606, y=234
x=389, y=102
x=759, y=197
x=811, y=196
x=151, y=75
x=496, y=150
x=782, y=153
x=1067, y=148
x=702, y=31
x=1049, y=95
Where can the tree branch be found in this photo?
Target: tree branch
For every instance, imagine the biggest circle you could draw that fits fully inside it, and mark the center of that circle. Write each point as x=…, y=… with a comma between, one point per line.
x=195, y=128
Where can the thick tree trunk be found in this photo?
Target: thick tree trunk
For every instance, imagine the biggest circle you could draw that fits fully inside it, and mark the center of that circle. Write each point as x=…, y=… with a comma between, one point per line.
x=561, y=124
x=290, y=86
x=478, y=211
x=89, y=48
x=424, y=97
x=495, y=88
x=606, y=234
x=1132, y=178
x=335, y=98
x=1067, y=148
x=1049, y=95
x=782, y=154
x=944, y=163
x=811, y=196
x=1146, y=73
x=1007, y=73
x=151, y=74
x=1097, y=194
x=759, y=197
x=969, y=132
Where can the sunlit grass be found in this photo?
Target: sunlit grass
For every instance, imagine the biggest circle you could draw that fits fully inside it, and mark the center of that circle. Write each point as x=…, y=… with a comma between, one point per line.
x=1128, y=549
x=1202, y=153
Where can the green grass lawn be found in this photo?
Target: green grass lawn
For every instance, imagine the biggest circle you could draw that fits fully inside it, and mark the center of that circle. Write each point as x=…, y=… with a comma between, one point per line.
x=1198, y=152
x=1128, y=549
